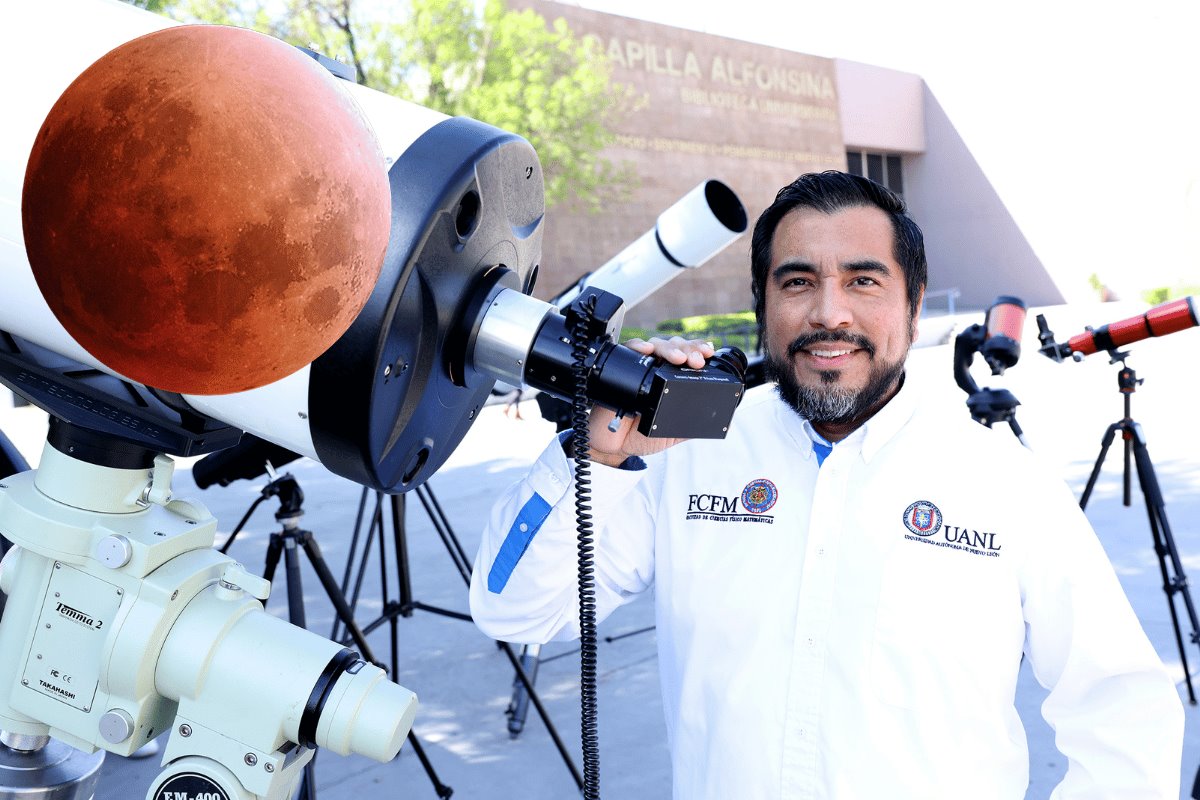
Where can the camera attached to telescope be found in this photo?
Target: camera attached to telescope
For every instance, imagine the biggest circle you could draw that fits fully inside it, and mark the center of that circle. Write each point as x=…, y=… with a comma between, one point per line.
x=670, y=401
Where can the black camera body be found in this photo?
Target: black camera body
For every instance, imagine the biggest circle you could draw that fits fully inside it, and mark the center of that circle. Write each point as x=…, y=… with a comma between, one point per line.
x=671, y=401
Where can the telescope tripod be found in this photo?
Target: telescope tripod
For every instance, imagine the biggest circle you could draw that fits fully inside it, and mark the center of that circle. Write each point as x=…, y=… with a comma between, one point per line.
x=288, y=542
x=1174, y=580
x=405, y=604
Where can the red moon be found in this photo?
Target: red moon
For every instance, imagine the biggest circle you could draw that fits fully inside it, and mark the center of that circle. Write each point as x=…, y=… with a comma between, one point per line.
x=205, y=210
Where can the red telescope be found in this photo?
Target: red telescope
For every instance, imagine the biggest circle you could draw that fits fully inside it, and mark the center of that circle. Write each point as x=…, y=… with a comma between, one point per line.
x=1170, y=317
x=1003, y=322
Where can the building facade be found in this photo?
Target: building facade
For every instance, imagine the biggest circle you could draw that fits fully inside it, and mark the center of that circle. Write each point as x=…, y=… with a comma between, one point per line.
x=754, y=117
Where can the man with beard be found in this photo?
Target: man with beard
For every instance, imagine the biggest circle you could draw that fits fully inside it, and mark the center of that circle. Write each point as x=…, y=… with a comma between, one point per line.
x=842, y=602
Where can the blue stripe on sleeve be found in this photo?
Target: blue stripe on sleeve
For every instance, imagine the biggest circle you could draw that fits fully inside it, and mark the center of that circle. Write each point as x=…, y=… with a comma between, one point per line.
x=527, y=523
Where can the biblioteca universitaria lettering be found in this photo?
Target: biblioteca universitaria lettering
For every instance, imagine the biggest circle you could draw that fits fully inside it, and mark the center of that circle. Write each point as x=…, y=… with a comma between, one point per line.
x=651, y=58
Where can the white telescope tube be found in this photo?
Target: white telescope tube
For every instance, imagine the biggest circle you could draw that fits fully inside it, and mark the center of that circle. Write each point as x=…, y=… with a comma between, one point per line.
x=704, y=222
x=37, y=70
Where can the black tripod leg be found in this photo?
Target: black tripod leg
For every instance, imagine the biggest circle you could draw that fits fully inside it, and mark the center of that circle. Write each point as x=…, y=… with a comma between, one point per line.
x=399, y=505
x=442, y=789
x=522, y=677
x=545, y=715
x=376, y=527
x=308, y=784
x=1170, y=586
x=446, y=533
x=518, y=707
x=1126, y=487
x=1016, y=429
x=295, y=589
x=1105, y=444
x=274, y=549
x=335, y=595
x=1174, y=580
x=343, y=609
x=345, y=585
x=295, y=598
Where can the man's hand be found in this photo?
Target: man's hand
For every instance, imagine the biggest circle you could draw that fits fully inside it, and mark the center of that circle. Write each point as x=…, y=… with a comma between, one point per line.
x=613, y=448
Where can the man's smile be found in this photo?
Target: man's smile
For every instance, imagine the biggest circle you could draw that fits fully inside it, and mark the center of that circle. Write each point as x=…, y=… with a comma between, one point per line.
x=828, y=349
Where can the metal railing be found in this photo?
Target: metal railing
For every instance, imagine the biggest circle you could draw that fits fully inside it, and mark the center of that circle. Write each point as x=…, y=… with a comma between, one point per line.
x=951, y=296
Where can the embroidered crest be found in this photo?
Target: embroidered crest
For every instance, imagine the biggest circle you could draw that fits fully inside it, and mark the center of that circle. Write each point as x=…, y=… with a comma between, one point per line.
x=759, y=495
x=923, y=518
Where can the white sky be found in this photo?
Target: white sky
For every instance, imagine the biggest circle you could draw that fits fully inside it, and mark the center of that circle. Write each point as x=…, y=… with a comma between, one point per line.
x=1085, y=116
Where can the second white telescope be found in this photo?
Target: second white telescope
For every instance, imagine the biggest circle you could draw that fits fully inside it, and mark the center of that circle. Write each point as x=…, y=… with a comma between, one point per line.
x=704, y=222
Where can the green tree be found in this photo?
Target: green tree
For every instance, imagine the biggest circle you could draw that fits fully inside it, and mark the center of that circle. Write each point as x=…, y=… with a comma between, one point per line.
x=150, y=5
x=508, y=68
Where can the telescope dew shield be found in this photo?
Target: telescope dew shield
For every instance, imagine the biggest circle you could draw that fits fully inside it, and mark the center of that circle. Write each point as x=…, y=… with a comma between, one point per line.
x=1003, y=324
x=1005, y=317
x=1164, y=319
x=701, y=224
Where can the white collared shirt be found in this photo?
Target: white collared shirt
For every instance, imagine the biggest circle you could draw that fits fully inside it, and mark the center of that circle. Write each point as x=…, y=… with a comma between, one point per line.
x=853, y=629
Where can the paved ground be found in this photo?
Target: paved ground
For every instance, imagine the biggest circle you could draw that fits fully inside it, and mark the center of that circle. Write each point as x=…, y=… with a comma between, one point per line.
x=464, y=680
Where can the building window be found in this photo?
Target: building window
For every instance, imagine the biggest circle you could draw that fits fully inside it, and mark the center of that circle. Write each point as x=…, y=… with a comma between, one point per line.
x=880, y=167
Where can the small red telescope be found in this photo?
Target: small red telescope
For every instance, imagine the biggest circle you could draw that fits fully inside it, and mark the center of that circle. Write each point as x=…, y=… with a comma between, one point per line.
x=1169, y=317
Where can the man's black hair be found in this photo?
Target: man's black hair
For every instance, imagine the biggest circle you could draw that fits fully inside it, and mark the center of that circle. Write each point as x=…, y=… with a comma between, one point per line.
x=830, y=192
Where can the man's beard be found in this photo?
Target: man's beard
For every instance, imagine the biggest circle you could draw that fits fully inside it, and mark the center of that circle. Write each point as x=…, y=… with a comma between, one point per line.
x=831, y=402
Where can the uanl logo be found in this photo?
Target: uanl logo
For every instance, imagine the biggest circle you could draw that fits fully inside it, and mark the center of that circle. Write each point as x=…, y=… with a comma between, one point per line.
x=925, y=520
x=756, y=499
x=78, y=616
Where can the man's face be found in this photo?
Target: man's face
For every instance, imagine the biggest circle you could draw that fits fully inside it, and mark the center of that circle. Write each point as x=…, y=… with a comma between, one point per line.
x=838, y=326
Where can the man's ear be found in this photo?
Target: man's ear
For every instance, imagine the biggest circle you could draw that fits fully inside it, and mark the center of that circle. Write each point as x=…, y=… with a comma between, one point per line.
x=915, y=332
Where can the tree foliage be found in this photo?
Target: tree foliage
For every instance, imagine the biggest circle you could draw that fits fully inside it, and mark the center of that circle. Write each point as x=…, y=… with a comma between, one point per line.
x=505, y=67
x=149, y=5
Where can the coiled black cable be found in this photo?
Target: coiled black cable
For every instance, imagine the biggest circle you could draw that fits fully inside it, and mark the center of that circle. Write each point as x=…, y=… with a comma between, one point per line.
x=587, y=586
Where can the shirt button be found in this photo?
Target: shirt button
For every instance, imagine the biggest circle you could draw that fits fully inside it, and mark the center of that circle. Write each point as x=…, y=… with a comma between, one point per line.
x=523, y=527
x=820, y=551
x=810, y=642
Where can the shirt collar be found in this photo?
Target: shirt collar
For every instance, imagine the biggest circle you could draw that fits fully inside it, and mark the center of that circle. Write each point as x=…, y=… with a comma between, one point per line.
x=873, y=434
x=883, y=427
